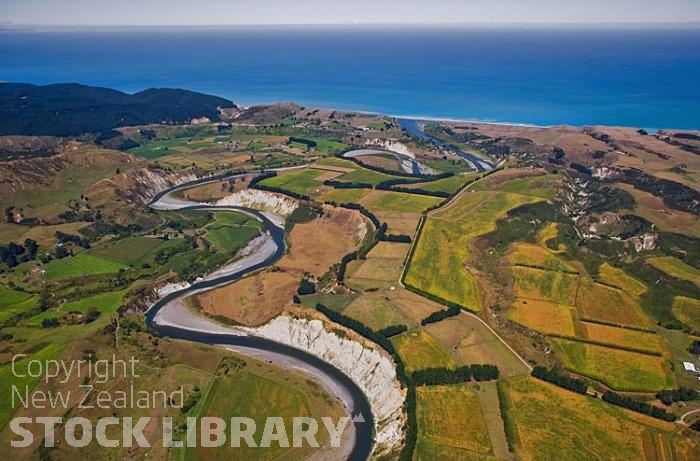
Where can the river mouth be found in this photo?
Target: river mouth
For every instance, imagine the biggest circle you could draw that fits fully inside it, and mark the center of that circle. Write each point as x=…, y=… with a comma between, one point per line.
x=350, y=394
x=414, y=128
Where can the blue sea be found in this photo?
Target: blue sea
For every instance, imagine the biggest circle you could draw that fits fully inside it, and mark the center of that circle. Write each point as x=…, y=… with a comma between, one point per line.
x=644, y=77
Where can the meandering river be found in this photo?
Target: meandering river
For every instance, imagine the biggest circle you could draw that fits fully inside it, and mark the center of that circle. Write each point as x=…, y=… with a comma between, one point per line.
x=168, y=317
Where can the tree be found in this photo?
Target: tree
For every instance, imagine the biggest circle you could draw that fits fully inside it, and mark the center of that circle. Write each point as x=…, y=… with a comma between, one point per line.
x=682, y=394
x=306, y=287
x=91, y=315
x=31, y=247
x=49, y=322
x=9, y=214
x=560, y=380
x=61, y=252
x=695, y=347
x=44, y=301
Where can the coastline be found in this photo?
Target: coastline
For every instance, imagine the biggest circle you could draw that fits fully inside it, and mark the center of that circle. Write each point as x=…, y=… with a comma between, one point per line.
x=451, y=119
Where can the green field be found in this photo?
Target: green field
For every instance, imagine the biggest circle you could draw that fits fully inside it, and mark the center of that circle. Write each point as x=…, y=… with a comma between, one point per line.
x=607, y=304
x=547, y=285
x=438, y=262
x=536, y=186
x=420, y=350
x=543, y=316
x=622, y=280
x=300, y=181
x=526, y=254
x=153, y=150
x=107, y=303
x=80, y=265
x=398, y=201
x=179, y=141
x=520, y=181
x=449, y=185
x=128, y=250
x=334, y=301
x=441, y=165
x=14, y=302
x=344, y=195
x=676, y=268
x=545, y=422
x=259, y=393
x=365, y=176
x=376, y=312
x=330, y=146
x=8, y=379
x=338, y=163
x=687, y=310
x=622, y=337
x=621, y=370
x=451, y=425
x=231, y=231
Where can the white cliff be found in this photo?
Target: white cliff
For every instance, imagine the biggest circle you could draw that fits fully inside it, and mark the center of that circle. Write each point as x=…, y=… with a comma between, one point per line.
x=370, y=369
x=261, y=200
x=172, y=287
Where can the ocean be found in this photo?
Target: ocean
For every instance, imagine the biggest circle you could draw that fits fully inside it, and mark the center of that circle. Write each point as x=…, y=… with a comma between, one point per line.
x=643, y=77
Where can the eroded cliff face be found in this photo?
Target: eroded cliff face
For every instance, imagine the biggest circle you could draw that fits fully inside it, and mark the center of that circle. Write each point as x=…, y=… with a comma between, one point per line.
x=142, y=184
x=371, y=370
x=261, y=200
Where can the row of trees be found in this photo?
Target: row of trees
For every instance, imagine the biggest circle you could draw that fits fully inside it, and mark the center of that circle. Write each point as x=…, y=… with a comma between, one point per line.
x=392, y=330
x=347, y=185
x=343, y=266
x=391, y=184
x=463, y=374
x=400, y=238
x=561, y=380
x=640, y=407
x=417, y=191
x=70, y=238
x=441, y=315
x=307, y=142
x=364, y=211
x=414, y=179
x=682, y=394
x=358, y=327
x=365, y=331
x=409, y=446
x=379, y=235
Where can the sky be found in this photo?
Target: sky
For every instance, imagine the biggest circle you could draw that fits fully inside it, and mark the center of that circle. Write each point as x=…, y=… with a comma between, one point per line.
x=250, y=12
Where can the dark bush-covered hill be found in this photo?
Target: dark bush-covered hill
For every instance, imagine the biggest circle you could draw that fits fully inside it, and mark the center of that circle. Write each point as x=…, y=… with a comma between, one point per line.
x=70, y=109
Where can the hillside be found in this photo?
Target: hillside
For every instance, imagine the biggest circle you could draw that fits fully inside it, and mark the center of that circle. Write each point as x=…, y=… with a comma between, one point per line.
x=71, y=109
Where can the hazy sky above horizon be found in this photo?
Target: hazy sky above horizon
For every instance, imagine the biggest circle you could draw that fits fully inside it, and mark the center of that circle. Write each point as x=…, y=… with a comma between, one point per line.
x=232, y=12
